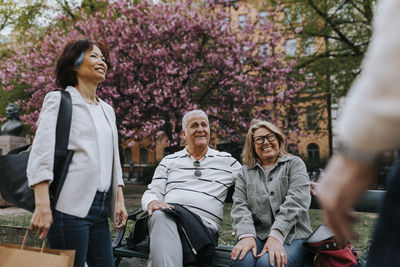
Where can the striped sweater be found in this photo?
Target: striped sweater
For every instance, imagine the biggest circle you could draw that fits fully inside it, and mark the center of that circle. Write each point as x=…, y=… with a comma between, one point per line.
x=174, y=181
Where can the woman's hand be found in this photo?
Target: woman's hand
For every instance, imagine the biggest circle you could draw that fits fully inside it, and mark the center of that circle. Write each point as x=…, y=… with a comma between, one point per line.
x=157, y=205
x=42, y=217
x=243, y=246
x=276, y=251
x=120, y=211
x=314, y=188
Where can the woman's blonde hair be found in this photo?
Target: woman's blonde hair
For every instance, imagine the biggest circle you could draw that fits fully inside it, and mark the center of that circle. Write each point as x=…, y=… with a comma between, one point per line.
x=249, y=155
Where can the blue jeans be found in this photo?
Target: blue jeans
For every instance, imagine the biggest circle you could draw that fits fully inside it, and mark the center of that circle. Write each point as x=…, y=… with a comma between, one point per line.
x=89, y=236
x=294, y=252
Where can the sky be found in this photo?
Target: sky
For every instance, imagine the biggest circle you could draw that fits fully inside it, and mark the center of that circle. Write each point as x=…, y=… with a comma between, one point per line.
x=46, y=17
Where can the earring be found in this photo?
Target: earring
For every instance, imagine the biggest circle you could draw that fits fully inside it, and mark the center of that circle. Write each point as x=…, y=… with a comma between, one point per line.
x=79, y=61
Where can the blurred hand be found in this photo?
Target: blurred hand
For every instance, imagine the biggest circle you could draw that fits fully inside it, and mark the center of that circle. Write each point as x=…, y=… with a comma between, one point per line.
x=341, y=185
x=276, y=251
x=243, y=246
x=157, y=205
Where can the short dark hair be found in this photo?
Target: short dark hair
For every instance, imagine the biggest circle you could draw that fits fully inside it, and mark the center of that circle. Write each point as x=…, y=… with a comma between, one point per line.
x=65, y=72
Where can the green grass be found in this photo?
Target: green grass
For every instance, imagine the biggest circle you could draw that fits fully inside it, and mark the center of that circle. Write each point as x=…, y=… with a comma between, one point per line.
x=13, y=229
x=16, y=220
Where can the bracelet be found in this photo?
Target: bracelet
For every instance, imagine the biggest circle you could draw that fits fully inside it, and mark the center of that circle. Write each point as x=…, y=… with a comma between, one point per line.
x=358, y=155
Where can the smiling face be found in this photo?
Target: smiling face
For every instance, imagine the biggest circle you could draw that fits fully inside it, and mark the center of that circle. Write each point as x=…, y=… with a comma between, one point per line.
x=267, y=151
x=93, y=68
x=197, y=132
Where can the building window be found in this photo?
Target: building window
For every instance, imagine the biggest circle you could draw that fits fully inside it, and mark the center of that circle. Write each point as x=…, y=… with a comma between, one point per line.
x=298, y=15
x=292, y=119
x=144, y=156
x=293, y=149
x=309, y=47
x=311, y=121
x=242, y=21
x=226, y=23
x=264, y=50
x=313, y=151
x=291, y=47
x=243, y=58
x=288, y=15
x=127, y=155
x=262, y=18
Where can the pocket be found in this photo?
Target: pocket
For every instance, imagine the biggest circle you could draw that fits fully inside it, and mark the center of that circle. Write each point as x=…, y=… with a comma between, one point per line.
x=280, y=186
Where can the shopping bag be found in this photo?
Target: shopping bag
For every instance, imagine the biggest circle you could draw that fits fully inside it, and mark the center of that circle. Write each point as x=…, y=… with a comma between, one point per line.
x=14, y=186
x=12, y=255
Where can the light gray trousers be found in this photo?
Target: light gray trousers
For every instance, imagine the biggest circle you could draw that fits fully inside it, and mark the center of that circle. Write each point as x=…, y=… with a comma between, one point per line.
x=165, y=244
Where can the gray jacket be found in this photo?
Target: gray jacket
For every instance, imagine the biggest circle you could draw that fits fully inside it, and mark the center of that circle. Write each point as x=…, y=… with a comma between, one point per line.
x=279, y=201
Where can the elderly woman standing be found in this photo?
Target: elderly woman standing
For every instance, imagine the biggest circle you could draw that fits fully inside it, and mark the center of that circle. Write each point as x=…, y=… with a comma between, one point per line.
x=270, y=203
x=93, y=185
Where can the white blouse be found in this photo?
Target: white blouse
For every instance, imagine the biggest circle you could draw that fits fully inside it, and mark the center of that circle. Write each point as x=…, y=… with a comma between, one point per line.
x=105, y=144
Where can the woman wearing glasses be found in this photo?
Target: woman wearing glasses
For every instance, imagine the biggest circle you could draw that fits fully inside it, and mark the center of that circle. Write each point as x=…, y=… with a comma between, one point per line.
x=270, y=203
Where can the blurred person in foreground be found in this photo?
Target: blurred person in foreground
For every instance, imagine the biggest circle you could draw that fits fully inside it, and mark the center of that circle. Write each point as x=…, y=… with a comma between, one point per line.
x=370, y=126
x=270, y=203
x=93, y=186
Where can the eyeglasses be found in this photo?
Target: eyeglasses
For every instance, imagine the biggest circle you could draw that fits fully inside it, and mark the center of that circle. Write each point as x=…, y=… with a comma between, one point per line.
x=197, y=172
x=259, y=140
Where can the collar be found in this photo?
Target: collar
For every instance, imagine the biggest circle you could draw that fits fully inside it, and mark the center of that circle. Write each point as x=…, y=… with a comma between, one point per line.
x=210, y=152
x=74, y=92
x=281, y=159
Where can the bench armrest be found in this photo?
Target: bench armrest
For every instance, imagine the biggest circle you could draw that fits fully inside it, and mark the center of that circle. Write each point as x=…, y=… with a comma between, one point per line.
x=133, y=214
x=120, y=235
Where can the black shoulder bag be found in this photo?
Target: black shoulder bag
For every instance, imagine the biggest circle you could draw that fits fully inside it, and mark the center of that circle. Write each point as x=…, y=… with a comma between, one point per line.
x=13, y=181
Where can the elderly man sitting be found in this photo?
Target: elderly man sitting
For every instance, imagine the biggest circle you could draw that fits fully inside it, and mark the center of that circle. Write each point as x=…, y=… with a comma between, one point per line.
x=196, y=178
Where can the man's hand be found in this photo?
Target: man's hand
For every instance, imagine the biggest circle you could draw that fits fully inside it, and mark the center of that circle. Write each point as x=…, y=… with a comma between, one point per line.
x=341, y=185
x=243, y=246
x=276, y=251
x=157, y=205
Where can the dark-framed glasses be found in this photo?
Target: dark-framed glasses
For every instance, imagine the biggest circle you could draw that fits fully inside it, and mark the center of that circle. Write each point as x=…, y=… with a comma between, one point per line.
x=259, y=140
x=197, y=172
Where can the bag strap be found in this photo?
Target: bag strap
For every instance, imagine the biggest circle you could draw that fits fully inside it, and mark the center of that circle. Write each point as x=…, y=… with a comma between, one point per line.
x=63, y=123
x=23, y=245
x=61, y=143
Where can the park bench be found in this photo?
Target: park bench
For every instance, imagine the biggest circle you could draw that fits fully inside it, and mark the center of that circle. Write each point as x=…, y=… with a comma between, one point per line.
x=368, y=203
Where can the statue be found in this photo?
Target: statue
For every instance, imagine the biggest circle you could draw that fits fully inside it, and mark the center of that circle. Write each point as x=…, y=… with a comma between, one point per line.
x=13, y=125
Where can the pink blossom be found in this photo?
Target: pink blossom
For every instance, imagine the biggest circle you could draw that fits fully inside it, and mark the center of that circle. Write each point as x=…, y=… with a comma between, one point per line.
x=167, y=59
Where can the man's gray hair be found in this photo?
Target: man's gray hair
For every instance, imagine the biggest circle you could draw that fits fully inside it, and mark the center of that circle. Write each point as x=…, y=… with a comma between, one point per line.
x=190, y=113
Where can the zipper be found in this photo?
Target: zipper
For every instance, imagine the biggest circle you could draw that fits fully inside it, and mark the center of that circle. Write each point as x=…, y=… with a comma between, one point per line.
x=187, y=238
